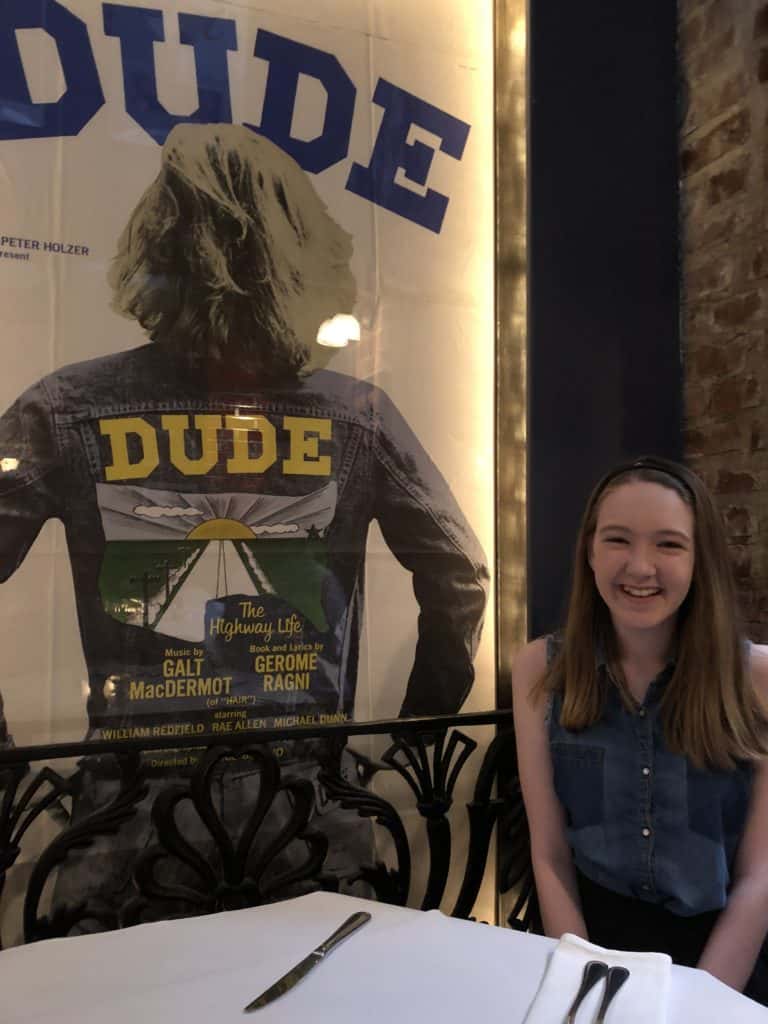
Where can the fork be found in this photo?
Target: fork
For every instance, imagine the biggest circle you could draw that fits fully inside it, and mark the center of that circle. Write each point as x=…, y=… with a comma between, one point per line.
x=594, y=971
x=613, y=982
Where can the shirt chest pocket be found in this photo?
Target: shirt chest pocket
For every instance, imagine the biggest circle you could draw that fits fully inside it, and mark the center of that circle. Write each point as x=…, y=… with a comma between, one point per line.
x=718, y=803
x=578, y=777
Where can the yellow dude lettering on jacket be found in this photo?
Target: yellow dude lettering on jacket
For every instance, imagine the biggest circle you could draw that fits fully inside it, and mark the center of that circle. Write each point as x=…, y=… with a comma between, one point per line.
x=177, y=427
x=117, y=431
x=304, y=436
x=243, y=428
x=305, y=457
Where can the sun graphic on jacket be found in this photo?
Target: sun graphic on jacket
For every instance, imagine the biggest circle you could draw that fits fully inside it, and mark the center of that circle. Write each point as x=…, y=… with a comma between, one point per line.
x=221, y=529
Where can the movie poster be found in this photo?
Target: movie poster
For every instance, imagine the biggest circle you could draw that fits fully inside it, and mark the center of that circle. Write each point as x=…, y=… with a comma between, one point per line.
x=246, y=310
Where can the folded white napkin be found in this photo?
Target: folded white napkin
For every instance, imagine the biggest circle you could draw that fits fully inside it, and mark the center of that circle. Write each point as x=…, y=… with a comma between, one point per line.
x=642, y=999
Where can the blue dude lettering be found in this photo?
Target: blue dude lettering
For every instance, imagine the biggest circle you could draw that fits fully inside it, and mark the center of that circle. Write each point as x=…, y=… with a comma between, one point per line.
x=138, y=28
x=20, y=118
x=392, y=151
x=287, y=60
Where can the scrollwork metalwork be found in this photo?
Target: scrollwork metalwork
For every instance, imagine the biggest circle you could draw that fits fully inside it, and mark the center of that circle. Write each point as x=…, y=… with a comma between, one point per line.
x=106, y=820
x=391, y=885
x=483, y=812
x=515, y=874
x=226, y=872
x=17, y=815
x=432, y=780
x=216, y=846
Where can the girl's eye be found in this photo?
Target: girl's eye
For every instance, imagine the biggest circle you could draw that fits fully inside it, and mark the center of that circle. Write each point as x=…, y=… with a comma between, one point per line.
x=615, y=540
x=675, y=544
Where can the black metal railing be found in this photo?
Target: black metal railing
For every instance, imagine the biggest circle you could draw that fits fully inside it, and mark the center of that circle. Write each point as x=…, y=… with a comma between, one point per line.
x=220, y=822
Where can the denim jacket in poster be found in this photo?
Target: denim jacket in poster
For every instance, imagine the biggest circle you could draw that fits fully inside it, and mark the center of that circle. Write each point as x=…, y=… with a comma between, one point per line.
x=217, y=540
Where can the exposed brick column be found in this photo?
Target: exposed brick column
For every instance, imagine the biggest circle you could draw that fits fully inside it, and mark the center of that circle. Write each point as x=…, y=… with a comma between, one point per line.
x=724, y=202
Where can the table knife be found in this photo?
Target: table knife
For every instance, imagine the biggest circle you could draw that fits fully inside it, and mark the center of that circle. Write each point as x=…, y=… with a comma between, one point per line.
x=287, y=982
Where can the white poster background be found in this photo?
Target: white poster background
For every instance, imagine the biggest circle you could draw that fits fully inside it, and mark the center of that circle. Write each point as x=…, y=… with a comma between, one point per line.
x=425, y=299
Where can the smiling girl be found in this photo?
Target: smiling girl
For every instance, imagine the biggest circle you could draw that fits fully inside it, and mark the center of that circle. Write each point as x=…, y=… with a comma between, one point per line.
x=642, y=737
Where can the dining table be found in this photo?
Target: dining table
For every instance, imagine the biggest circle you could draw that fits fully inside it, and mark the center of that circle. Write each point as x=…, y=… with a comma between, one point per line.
x=403, y=966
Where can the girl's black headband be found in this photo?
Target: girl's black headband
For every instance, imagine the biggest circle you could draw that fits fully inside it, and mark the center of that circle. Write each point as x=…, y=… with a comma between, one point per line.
x=653, y=462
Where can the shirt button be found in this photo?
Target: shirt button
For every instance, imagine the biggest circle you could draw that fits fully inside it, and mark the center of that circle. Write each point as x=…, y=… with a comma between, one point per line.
x=645, y=887
x=646, y=832
x=646, y=771
x=641, y=712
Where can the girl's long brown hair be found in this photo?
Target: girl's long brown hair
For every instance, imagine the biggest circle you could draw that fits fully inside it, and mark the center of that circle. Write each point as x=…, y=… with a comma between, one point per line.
x=709, y=708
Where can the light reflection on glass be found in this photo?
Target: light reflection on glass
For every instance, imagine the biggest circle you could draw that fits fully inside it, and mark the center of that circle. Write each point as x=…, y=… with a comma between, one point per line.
x=339, y=331
x=110, y=687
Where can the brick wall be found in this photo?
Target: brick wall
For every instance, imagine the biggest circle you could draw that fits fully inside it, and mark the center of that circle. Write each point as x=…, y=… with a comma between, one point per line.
x=724, y=203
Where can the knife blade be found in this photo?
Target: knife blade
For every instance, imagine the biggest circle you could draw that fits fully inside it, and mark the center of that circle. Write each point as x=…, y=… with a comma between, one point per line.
x=294, y=976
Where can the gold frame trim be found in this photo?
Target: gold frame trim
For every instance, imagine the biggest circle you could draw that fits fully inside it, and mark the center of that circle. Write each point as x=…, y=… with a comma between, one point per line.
x=511, y=302
x=511, y=283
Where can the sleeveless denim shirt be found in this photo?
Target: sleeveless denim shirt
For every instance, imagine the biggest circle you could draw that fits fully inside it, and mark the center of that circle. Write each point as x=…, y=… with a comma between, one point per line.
x=642, y=821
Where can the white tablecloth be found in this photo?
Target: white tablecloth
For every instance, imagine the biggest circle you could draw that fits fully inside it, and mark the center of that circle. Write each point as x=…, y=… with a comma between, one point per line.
x=403, y=966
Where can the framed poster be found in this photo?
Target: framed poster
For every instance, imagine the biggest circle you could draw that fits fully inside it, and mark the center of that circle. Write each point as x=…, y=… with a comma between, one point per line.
x=247, y=303
x=196, y=548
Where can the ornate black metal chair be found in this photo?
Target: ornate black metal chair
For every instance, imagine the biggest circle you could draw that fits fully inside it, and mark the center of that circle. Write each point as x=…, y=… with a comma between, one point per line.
x=200, y=860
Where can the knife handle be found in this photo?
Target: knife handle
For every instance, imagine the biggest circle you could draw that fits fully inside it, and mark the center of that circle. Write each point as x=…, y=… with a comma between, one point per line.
x=343, y=931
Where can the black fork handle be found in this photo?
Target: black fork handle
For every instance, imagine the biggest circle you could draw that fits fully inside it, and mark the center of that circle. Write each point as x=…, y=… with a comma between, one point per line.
x=616, y=978
x=594, y=971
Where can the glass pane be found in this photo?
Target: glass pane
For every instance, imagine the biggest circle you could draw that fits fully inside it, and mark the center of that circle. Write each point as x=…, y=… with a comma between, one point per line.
x=247, y=310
